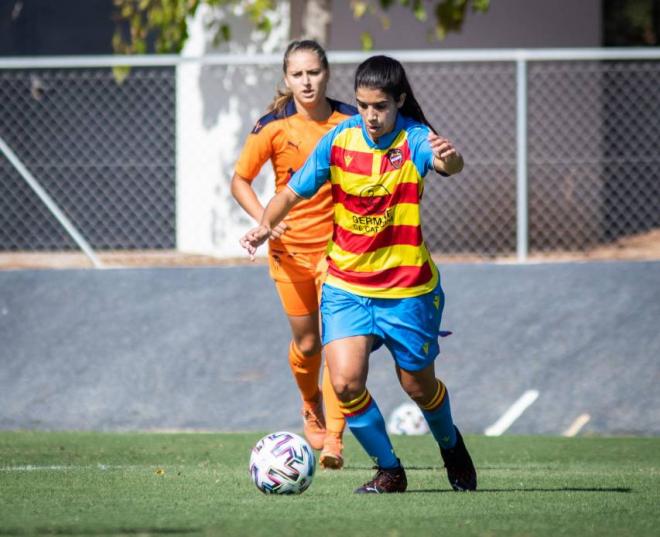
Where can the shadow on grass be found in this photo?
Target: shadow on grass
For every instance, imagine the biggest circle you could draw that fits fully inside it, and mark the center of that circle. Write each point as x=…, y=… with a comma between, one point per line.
x=624, y=490
x=105, y=531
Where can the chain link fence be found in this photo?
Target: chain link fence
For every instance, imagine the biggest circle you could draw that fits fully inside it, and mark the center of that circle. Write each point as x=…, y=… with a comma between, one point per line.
x=106, y=152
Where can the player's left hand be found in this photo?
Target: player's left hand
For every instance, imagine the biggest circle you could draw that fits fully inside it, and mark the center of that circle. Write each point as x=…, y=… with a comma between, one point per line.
x=442, y=147
x=255, y=238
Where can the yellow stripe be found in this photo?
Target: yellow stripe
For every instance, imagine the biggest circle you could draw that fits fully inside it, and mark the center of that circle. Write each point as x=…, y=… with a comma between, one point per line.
x=402, y=255
x=437, y=398
x=352, y=140
x=381, y=292
x=355, y=184
x=402, y=214
x=355, y=401
x=356, y=404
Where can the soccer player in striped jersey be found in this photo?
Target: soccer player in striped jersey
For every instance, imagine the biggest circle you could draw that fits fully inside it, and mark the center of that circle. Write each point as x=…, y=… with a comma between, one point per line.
x=382, y=285
x=297, y=119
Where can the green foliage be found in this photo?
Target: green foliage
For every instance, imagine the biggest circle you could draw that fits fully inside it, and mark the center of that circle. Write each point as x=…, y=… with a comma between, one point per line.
x=631, y=23
x=162, y=25
x=449, y=15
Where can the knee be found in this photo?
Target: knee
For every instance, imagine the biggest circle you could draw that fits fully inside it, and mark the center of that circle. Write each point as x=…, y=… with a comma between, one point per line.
x=420, y=392
x=416, y=394
x=308, y=346
x=347, y=390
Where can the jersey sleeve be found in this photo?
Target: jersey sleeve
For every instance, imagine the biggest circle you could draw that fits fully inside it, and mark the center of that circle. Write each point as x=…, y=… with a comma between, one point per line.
x=256, y=151
x=420, y=148
x=316, y=170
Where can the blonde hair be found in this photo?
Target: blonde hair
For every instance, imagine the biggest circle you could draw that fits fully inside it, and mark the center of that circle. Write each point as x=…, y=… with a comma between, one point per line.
x=284, y=95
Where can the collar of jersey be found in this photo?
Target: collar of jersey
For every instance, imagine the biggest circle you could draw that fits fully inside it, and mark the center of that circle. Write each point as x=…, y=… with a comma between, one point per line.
x=384, y=141
x=290, y=108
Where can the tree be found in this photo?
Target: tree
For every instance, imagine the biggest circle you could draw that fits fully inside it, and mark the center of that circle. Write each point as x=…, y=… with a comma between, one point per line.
x=449, y=14
x=631, y=23
x=162, y=25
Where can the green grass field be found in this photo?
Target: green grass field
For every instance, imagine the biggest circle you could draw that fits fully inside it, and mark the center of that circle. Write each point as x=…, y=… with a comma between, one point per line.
x=147, y=484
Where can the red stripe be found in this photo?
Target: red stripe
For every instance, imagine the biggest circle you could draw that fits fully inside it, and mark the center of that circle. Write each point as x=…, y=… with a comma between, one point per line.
x=393, y=277
x=370, y=204
x=394, y=159
x=390, y=236
x=351, y=161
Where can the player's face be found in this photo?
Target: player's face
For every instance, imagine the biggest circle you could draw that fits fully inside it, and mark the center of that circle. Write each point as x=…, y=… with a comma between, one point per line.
x=306, y=78
x=378, y=110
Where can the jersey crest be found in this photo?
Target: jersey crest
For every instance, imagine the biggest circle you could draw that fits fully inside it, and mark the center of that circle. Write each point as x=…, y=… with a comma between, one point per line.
x=395, y=156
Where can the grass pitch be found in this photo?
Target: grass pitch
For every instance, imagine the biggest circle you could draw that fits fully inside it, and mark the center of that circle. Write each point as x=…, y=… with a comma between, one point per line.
x=149, y=484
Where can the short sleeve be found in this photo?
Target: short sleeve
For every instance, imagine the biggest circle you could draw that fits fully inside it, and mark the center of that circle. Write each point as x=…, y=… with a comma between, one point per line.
x=316, y=170
x=255, y=153
x=420, y=149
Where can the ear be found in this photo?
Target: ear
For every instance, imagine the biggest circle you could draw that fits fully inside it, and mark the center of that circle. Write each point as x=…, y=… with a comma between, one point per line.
x=286, y=83
x=402, y=99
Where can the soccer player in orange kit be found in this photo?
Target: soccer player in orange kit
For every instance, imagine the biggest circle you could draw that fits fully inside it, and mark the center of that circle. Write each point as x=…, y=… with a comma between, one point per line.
x=297, y=119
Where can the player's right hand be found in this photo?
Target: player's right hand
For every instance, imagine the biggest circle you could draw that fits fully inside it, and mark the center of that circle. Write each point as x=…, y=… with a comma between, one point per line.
x=255, y=238
x=278, y=230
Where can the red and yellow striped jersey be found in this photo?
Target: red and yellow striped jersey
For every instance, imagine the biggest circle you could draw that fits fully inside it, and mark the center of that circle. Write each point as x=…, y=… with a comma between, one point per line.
x=287, y=139
x=377, y=248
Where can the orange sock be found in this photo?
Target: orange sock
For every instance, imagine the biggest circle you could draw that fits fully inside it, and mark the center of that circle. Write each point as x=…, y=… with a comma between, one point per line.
x=334, y=418
x=305, y=371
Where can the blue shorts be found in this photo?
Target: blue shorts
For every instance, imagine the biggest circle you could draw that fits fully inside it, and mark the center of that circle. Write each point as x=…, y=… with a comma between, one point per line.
x=409, y=327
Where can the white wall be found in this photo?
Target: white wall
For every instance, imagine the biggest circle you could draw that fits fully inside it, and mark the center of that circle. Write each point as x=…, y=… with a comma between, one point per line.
x=216, y=108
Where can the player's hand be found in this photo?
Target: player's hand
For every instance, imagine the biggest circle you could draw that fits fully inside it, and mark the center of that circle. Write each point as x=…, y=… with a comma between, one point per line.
x=442, y=147
x=278, y=230
x=255, y=238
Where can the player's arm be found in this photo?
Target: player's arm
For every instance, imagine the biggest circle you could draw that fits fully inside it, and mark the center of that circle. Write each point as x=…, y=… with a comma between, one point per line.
x=278, y=207
x=446, y=159
x=303, y=185
x=244, y=194
x=257, y=150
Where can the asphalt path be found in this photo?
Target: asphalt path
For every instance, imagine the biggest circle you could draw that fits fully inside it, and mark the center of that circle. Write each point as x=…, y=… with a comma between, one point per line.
x=205, y=349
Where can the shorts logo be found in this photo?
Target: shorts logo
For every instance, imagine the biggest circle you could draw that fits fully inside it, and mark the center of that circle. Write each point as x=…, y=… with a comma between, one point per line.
x=395, y=156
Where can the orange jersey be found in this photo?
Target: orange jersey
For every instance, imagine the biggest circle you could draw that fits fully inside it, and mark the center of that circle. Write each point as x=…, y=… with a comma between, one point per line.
x=286, y=139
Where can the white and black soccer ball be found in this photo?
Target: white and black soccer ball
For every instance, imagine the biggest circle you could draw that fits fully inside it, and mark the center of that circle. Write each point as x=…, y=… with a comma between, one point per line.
x=282, y=463
x=407, y=419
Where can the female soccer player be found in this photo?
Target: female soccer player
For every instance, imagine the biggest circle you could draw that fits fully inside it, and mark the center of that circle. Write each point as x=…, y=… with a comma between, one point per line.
x=297, y=119
x=382, y=285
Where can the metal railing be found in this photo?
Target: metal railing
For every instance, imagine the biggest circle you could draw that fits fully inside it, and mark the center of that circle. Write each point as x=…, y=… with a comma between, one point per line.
x=561, y=146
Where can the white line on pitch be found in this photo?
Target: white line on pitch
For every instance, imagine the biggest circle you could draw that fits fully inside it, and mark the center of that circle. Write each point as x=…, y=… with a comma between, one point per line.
x=511, y=415
x=37, y=468
x=577, y=425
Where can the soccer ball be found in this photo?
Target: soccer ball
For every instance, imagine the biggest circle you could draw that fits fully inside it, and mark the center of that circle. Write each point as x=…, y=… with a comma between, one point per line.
x=282, y=463
x=407, y=419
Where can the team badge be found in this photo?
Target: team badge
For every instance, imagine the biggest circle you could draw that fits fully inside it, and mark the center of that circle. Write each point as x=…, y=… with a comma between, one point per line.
x=395, y=156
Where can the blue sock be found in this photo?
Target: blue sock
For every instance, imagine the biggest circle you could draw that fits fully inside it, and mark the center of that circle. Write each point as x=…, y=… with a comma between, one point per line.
x=368, y=426
x=438, y=416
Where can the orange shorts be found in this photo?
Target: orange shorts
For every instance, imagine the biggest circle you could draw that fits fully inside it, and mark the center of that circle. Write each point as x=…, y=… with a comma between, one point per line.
x=298, y=278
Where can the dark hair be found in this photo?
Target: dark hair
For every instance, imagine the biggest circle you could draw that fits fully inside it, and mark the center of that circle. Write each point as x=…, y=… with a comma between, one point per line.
x=387, y=74
x=284, y=95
